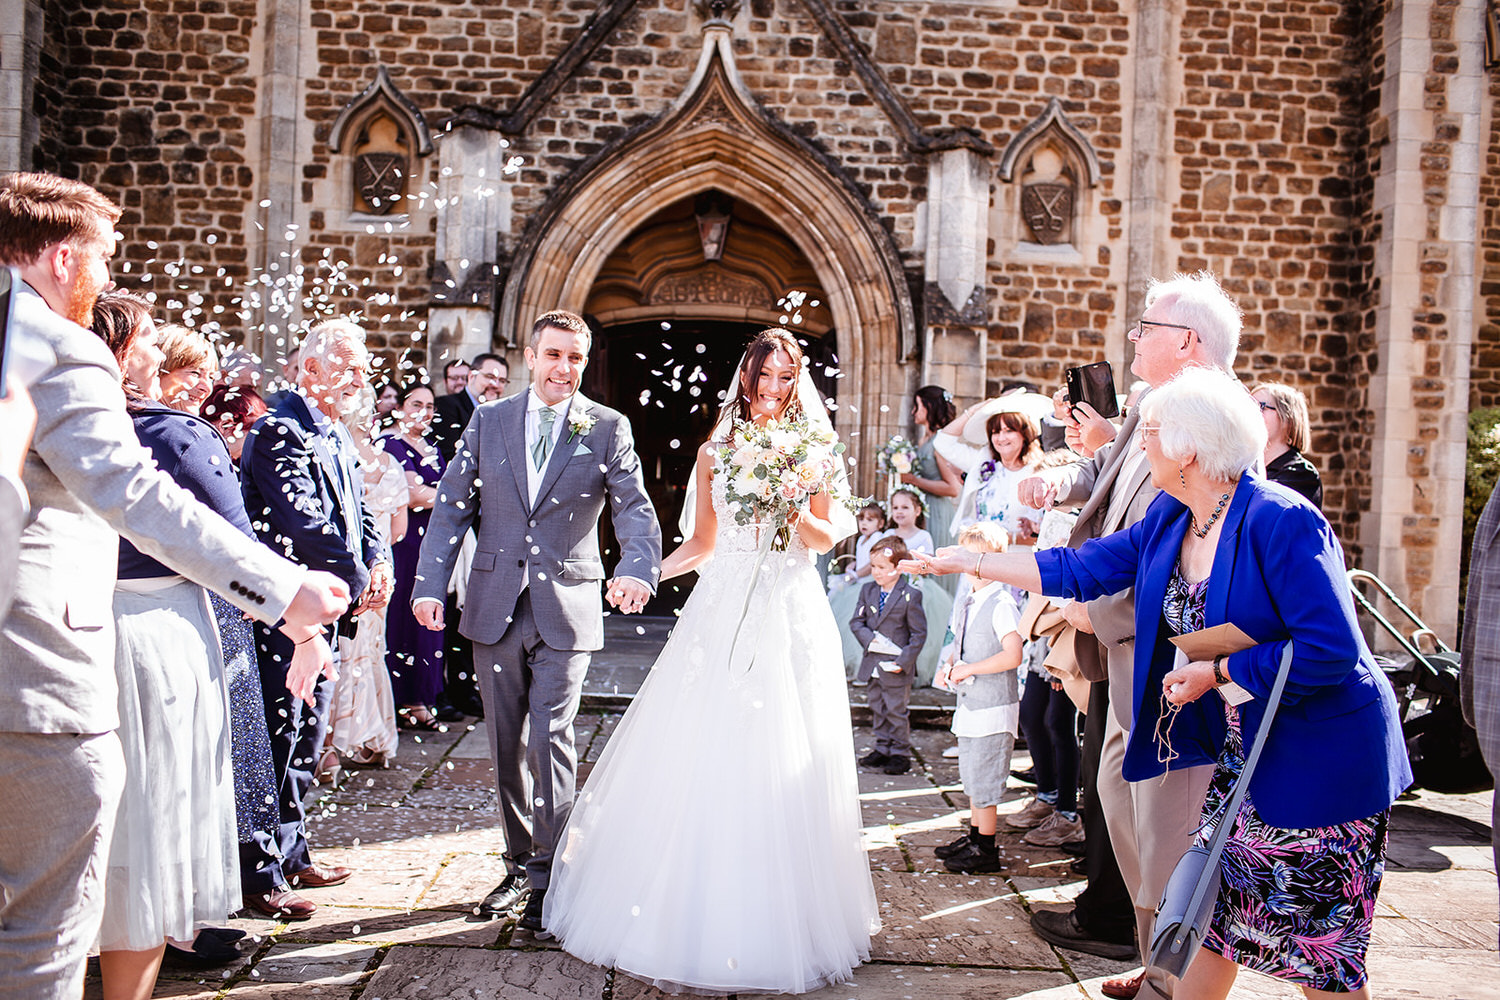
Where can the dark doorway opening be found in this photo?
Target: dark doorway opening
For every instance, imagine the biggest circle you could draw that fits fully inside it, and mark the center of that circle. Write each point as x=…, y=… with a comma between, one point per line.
x=666, y=378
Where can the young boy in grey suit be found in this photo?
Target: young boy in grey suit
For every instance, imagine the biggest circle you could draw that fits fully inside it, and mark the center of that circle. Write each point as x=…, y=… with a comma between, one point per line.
x=980, y=666
x=891, y=627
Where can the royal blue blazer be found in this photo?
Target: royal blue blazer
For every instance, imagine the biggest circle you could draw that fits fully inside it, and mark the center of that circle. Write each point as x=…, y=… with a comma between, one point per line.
x=1335, y=751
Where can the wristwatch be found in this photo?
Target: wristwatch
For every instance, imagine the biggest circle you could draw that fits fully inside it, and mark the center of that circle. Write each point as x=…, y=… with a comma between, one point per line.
x=1220, y=677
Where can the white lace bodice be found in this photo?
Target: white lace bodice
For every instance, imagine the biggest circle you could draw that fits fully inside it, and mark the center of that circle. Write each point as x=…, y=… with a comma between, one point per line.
x=743, y=539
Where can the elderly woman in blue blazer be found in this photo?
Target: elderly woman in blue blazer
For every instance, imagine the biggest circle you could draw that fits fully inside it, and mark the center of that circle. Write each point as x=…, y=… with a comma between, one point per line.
x=1222, y=545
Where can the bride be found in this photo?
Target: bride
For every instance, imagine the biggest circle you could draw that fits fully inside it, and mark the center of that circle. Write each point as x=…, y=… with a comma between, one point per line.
x=716, y=846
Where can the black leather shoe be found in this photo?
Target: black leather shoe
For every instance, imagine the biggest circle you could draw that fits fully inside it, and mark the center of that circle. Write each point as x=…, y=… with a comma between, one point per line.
x=1060, y=927
x=873, y=759
x=897, y=764
x=1027, y=777
x=449, y=713
x=504, y=897
x=957, y=847
x=531, y=917
x=974, y=860
x=207, y=953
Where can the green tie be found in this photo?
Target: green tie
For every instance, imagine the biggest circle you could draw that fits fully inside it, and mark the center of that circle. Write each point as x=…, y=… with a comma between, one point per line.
x=543, y=446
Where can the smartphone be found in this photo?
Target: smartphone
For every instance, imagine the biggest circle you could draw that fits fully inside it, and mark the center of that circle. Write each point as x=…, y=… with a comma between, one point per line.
x=1095, y=385
x=8, y=280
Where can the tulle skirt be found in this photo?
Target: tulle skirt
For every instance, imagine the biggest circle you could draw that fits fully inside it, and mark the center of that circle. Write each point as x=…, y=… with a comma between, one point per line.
x=174, y=860
x=716, y=846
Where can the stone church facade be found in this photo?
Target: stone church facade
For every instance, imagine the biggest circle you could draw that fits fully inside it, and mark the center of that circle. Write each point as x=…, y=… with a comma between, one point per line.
x=967, y=194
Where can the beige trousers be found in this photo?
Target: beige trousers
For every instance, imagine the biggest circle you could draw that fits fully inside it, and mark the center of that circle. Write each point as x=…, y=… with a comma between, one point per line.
x=1151, y=825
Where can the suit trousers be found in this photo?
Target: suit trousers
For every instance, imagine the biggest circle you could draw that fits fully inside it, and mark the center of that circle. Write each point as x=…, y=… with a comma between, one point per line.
x=1151, y=824
x=60, y=792
x=297, y=734
x=890, y=706
x=531, y=694
x=1103, y=908
x=460, y=689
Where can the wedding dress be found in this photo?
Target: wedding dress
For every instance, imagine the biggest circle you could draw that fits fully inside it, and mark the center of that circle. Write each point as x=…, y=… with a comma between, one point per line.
x=716, y=846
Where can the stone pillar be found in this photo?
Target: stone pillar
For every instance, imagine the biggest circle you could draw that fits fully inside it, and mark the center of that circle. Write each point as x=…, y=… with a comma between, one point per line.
x=1150, y=248
x=475, y=195
x=20, y=52
x=957, y=221
x=1425, y=197
x=286, y=23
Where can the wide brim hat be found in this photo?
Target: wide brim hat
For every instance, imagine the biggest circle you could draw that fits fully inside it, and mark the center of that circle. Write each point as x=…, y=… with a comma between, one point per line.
x=1033, y=404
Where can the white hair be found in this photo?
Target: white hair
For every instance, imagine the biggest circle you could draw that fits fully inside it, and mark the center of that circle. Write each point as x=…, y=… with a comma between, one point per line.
x=1199, y=301
x=1209, y=414
x=325, y=339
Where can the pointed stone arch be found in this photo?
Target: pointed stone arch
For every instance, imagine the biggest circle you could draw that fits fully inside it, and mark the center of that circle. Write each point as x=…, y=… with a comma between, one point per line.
x=715, y=138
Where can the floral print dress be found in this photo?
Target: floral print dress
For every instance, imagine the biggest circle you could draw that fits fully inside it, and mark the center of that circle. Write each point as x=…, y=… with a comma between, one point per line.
x=1295, y=904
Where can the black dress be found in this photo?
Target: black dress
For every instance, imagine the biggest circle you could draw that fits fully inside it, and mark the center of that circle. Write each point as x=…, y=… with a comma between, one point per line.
x=1293, y=471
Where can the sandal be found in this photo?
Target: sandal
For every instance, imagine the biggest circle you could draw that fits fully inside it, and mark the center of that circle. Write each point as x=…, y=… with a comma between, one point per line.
x=413, y=720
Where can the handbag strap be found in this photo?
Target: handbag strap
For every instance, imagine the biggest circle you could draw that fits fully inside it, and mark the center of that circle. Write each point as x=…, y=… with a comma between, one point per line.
x=1231, y=807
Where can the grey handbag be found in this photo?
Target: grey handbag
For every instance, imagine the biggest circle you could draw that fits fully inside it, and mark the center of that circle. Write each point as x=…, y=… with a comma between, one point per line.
x=1187, y=903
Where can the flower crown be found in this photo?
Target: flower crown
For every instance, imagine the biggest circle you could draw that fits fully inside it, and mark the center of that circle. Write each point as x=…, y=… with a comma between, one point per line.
x=916, y=498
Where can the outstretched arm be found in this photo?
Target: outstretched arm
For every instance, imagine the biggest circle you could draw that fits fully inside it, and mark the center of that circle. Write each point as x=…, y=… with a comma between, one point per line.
x=698, y=549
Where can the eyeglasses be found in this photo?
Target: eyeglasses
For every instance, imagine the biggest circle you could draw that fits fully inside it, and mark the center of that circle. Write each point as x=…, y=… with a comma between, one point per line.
x=1268, y=407
x=1149, y=430
x=1138, y=331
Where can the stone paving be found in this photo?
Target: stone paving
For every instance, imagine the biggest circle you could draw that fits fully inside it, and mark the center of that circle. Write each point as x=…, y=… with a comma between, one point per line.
x=423, y=837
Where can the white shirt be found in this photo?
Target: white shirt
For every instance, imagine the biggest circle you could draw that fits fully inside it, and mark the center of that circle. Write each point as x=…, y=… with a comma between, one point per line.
x=534, y=407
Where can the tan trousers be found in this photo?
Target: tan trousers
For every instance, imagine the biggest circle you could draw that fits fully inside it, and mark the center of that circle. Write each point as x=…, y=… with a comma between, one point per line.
x=59, y=793
x=1151, y=825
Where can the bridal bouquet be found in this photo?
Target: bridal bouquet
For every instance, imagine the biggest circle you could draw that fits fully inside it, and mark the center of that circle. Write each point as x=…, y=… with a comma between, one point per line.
x=774, y=469
x=898, y=457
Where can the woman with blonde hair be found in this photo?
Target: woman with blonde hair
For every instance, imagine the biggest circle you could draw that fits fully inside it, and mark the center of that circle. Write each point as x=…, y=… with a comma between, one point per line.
x=1284, y=409
x=188, y=369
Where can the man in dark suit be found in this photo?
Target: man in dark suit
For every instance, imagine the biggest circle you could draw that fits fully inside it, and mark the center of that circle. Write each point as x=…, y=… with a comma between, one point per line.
x=540, y=467
x=488, y=378
x=305, y=496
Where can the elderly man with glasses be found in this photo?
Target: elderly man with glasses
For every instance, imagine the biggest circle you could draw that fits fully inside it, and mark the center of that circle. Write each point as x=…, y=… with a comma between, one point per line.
x=1188, y=320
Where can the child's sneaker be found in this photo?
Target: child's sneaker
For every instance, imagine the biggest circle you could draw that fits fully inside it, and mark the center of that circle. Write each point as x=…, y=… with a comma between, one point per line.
x=874, y=759
x=975, y=860
x=897, y=764
x=1055, y=832
x=956, y=848
x=1034, y=814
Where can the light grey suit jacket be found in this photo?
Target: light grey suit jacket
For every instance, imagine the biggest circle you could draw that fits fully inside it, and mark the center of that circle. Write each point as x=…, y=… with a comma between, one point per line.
x=1479, y=678
x=1090, y=485
x=89, y=478
x=14, y=513
x=553, y=545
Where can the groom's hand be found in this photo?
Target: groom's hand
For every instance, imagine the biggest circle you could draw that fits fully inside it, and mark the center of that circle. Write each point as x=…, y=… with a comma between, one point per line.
x=627, y=594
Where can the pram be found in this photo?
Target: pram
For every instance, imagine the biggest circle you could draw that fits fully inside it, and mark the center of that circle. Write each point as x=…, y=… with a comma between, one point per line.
x=1444, y=749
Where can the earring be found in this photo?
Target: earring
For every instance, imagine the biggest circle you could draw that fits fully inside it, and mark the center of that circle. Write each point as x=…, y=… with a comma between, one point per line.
x=1181, y=478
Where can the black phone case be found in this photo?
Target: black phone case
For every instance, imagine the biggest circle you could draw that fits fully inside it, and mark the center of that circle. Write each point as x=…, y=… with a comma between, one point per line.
x=1095, y=385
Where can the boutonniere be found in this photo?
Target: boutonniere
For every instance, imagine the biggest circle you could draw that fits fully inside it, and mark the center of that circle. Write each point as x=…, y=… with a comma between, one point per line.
x=580, y=422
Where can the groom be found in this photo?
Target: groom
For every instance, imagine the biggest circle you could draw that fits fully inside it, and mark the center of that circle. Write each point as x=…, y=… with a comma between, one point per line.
x=534, y=471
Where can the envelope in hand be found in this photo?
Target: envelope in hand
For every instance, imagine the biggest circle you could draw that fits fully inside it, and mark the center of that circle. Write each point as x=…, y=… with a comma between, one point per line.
x=882, y=645
x=1207, y=643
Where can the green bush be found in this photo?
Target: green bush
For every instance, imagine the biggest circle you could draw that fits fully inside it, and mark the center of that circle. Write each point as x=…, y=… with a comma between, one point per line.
x=1481, y=471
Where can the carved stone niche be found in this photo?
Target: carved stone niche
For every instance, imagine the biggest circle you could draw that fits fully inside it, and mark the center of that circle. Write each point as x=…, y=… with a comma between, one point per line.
x=381, y=133
x=1053, y=164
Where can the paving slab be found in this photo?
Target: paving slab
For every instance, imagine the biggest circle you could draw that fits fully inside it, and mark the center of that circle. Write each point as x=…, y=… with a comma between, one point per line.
x=911, y=982
x=955, y=919
x=306, y=963
x=1441, y=895
x=204, y=989
x=382, y=878
x=452, y=928
x=380, y=824
x=413, y=973
x=473, y=745
x=465, y=879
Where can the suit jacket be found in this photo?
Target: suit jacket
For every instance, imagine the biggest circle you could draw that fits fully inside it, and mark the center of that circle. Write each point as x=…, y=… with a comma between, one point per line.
x=1090, y=485
x=91, y=481
x=903, y=622
x=1335, y=752
x=305, y=498
x=1479, y=676
x=450, y=415
x=14, y=512
x=554, y=545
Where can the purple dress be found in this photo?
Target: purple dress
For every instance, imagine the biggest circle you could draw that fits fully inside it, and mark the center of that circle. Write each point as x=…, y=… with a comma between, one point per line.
x=413, y=654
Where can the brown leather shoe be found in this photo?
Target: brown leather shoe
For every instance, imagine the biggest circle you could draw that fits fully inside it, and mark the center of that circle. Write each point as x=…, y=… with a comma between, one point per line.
x=282, y=904
x=1124, y=988
x=320, y=876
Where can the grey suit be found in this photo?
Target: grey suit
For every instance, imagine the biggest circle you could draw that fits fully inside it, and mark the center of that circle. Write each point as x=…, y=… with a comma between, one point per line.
x=902, y=621
x=1151, y=823
x=14, y=512
x=531, y=647
x=1480, y=677
x=88, y=478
